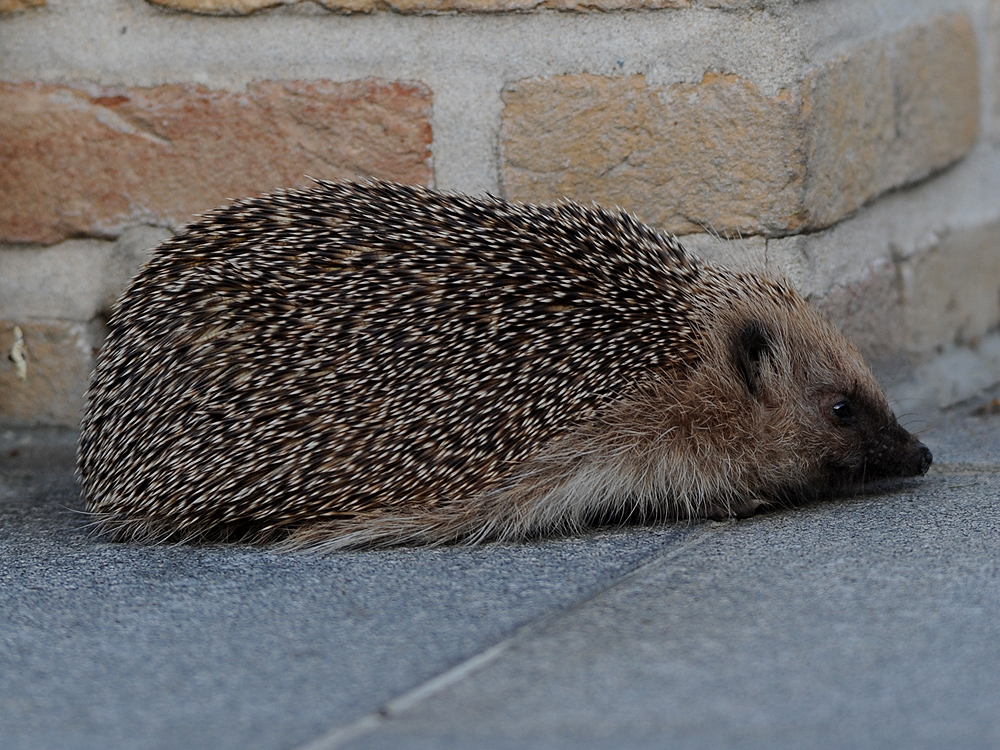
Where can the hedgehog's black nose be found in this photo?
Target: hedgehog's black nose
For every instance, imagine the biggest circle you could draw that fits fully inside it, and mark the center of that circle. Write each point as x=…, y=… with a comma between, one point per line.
x=925, y=459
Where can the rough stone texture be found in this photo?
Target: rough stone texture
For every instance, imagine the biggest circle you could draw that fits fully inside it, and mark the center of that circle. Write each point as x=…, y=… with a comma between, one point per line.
x=889, y=114
x=848, y=118
x=671, y=155
x=9, y=6
x=724, y=155
x=869, y=310
x=90, y=161
x=752, y=55
x=936, y=84
x=241, y=7
x=58, y=358
x=951, y=294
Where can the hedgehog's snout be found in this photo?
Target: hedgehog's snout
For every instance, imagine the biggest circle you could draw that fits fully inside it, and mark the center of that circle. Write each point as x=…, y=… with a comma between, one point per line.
x=913, y=458
x=899, y=454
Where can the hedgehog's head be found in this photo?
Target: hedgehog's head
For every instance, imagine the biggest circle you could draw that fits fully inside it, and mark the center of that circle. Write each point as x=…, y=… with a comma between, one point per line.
x=822, y=421
x=779, y=406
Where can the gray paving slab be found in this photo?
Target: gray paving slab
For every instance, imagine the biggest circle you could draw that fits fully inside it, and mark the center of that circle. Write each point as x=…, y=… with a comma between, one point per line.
x=122, y=646
x=961, y=439
x=867, y=622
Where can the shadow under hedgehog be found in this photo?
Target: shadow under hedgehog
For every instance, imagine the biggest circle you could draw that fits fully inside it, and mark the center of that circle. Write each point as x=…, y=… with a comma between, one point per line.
x=367, y=364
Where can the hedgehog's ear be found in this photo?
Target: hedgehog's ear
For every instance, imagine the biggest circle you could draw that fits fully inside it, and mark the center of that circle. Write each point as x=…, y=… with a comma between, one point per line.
x=754, y=344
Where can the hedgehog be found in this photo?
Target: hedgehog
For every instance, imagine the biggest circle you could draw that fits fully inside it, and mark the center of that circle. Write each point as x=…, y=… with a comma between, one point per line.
x=365, y=364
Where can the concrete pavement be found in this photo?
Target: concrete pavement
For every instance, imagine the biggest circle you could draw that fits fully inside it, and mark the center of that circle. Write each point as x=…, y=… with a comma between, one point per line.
x=870, y=621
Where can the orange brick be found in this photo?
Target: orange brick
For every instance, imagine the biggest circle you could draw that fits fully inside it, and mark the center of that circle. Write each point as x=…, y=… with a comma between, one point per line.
x=89, y=161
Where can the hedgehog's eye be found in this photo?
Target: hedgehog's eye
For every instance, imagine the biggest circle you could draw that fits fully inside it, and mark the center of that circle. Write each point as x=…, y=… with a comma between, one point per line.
x=842, y=411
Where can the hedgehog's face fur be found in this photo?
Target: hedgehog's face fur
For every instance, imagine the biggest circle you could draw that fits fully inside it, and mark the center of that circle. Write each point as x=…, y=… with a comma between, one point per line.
x=780, y=407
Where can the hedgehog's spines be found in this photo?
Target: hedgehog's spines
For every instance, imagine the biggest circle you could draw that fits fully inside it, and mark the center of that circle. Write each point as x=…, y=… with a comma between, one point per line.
x=359, y=364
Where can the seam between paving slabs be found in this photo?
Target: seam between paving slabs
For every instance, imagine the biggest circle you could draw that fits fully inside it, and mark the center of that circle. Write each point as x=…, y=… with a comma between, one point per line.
x=339, y=737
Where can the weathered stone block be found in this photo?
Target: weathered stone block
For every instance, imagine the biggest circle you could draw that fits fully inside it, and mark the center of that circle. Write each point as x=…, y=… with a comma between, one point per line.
x=44, y=369
x=724, y=155
x=888, y=114
x=89, y=161
x=847, y=127
x=716, y=155
x=221, y=7
x=935, y=74
x=951, y=294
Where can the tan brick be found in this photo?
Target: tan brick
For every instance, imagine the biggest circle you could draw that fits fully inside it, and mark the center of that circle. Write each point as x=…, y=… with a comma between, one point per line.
x=951, y=294
x=847, y=113
x=724, y=155
x=889, y=114
x=45, y=380
x=935, y=73
x=220, y=7
x=90, y=161
x=240, y=7
x=718, y=154
x=10, y=6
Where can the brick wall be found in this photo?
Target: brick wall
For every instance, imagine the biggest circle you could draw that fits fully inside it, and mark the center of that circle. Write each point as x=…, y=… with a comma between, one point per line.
x=853, y=147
